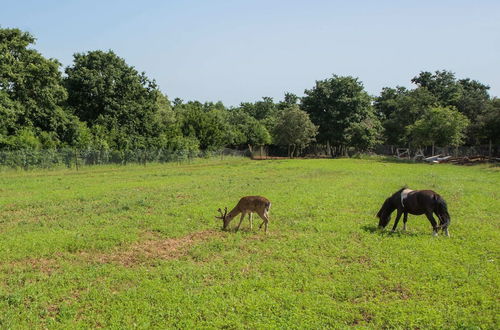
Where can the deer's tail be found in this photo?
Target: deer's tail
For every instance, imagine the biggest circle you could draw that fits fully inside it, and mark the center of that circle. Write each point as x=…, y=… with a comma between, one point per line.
x=268, y=207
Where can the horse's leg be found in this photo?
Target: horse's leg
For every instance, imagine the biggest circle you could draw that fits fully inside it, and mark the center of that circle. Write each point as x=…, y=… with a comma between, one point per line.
x=241, y=220
x=397, y=220
x=433, y=223
x=405, y=218
x=441, y=222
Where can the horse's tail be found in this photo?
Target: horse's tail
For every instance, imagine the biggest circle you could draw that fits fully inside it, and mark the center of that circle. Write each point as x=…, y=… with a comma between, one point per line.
x=442, y=211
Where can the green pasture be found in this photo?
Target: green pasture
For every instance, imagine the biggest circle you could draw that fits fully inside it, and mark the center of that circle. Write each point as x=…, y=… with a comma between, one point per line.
x=139, y=247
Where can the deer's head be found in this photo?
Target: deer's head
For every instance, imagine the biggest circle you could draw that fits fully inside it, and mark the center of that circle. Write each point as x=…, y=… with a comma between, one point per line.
x=224, y=217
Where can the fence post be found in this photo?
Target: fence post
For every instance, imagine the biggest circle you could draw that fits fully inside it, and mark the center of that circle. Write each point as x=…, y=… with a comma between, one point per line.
x=76, y=159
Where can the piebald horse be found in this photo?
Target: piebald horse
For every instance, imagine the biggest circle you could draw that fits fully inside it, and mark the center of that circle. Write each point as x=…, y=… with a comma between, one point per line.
x=415, y=202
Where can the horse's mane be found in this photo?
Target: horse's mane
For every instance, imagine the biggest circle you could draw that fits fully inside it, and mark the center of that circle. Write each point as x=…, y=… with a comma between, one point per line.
x=384, y=207
x=388, y=204
x=399, y=191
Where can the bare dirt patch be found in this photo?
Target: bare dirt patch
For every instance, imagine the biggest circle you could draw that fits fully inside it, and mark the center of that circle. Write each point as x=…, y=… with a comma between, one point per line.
x=144, y=252
x=152, y=249
x=42, y=265
x=365, y=318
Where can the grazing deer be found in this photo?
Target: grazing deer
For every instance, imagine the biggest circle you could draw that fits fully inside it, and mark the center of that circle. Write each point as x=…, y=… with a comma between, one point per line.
x=247, y=205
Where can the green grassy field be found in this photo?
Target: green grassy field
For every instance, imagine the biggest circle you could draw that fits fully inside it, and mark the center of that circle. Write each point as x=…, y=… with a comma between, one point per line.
x=139, y=247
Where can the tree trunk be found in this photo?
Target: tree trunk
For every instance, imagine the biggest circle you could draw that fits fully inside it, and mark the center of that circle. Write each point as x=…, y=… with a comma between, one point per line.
x=433, y=148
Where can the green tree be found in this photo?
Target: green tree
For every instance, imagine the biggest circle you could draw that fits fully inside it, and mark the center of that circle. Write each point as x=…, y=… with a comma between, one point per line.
x=335, y=105
x=294, y=129
x=104, y=90
x=441, y=126
x=261, y=109
x=441, y=84
x=208, y=123
x=398, y=108
x=489, y=123
x=31, y=92
x=469, y=97
x=248, y=130
x=365, y=135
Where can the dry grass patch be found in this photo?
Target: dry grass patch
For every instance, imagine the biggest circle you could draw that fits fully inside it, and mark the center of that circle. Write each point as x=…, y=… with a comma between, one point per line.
x=152, y=249
x=147, y=251
x=43, y=265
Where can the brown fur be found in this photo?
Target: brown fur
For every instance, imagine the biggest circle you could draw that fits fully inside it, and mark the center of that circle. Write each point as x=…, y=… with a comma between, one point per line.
x=247, y=205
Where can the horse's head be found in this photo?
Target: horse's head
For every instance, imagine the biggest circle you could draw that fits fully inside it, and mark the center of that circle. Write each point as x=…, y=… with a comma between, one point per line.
x=384, y=214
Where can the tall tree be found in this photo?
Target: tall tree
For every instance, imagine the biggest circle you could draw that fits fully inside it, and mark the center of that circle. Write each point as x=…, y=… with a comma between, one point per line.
x=335, y=104
x=261, y=109
x=208, y=123
x=399, y=107
x=294, y=129
x=469, y=97
x=365, y=135
x=441, y=84
x=248, y=130
x=31, y=91
x=489, y=123
x=104, y=90
x=441, y=126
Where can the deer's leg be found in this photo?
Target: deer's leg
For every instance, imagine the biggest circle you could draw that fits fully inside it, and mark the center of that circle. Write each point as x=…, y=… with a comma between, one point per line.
x=241, y=220
x=405, y=218
x=396, y=221
x=250, y=218
x=265, y=217
x=433, y=223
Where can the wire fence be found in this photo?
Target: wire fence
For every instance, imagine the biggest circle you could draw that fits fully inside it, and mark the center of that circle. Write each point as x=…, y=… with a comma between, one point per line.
x=323, y=151
x=74, y=158
x=462, y=151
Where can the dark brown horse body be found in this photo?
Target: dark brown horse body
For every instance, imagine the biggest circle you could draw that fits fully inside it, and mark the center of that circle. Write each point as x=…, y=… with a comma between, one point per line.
x=415, y=202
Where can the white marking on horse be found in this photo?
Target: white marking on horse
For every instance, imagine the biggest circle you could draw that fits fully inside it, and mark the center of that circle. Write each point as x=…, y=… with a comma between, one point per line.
x=404, y=194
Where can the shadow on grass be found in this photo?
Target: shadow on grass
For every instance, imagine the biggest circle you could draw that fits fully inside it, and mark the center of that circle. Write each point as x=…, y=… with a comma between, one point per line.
x=389, y=233
x=246, y=230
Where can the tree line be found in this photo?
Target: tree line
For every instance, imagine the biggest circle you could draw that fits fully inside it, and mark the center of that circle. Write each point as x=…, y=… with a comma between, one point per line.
x=102, y=103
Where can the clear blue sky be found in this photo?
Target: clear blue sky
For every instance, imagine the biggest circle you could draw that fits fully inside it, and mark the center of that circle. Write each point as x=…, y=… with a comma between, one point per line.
x=236, y=51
